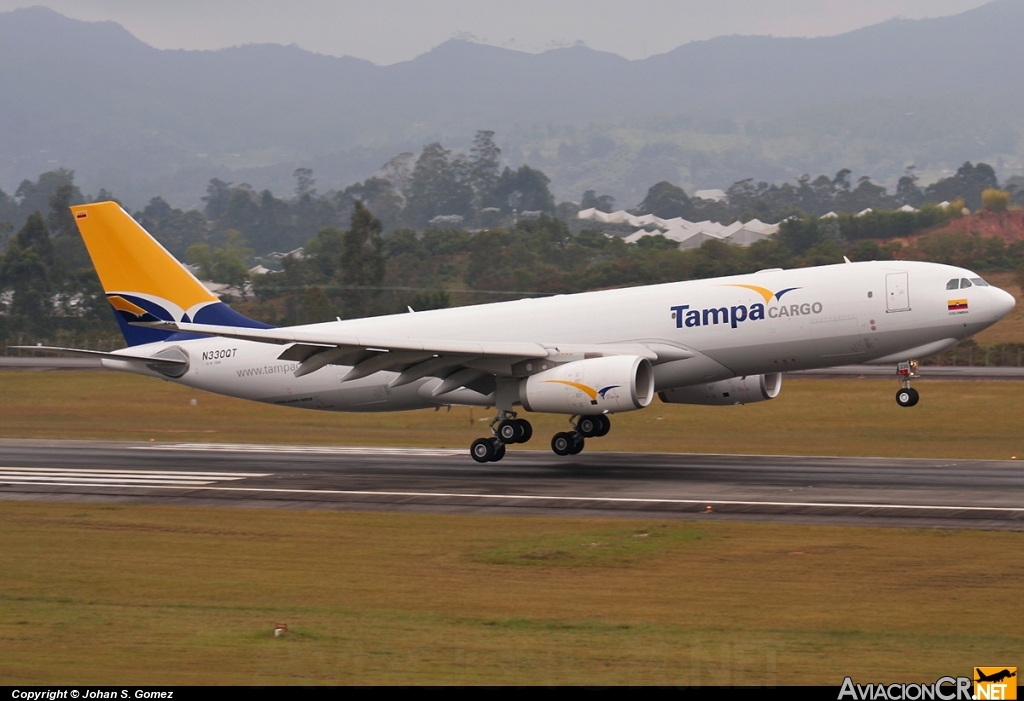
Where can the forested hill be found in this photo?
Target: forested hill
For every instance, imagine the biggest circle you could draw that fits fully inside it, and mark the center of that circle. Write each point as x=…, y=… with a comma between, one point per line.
x=91, y=96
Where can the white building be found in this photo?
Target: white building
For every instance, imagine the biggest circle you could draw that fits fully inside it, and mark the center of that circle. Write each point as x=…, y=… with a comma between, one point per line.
x=715, y=195
x=686, y=233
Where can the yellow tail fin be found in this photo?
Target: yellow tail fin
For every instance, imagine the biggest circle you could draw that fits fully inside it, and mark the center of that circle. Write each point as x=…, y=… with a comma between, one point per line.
x=142, y=280
x=128, y=259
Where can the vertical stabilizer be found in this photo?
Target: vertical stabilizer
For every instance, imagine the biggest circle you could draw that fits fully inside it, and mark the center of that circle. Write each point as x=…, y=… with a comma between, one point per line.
x=142, y=281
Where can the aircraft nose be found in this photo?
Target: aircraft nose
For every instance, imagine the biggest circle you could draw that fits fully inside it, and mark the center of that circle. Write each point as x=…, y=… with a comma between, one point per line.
x=1002, y=302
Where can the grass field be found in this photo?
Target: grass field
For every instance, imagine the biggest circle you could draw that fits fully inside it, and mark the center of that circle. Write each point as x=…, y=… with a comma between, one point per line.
x=810, y=417
x=173, y=595
x=99, y=594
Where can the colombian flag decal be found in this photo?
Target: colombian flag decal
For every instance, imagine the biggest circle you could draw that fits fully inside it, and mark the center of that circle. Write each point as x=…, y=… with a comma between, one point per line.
x=957, y=304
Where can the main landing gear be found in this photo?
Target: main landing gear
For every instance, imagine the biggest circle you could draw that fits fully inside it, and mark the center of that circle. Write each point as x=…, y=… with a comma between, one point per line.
x=907, y=396
x=506, y=429
x=571, y=442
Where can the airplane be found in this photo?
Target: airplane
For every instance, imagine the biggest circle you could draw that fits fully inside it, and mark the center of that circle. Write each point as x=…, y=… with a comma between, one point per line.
x=995, y=677
x=718, y=341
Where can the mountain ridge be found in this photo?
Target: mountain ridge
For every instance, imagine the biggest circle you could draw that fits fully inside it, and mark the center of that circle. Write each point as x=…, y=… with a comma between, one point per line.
x=91, y=96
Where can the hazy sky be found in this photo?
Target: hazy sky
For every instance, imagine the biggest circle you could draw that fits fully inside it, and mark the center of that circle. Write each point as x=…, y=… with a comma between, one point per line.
x=388, y=31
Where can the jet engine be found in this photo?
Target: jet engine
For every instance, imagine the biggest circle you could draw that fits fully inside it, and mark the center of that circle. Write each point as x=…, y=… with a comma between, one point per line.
x=592, y=386
x=737, y=390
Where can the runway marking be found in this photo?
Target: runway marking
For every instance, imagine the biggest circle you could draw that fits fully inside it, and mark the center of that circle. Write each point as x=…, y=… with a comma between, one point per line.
x=312, y=449
x=562, y=499
x=112, y=471
x=61, y=477
x=450, y=452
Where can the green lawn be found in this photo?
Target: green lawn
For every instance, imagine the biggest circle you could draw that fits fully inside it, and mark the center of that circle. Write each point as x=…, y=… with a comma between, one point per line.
x=173, y=595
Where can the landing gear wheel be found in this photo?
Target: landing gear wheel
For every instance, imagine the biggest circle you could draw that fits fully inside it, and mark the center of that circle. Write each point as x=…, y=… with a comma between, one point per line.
x=577, y=446
x=527, y=430
x=499, y=451
x=482, y=449
x=510, y=431
x=907, y=397
x=563, y=443
x=606, y=425
x=589, y=426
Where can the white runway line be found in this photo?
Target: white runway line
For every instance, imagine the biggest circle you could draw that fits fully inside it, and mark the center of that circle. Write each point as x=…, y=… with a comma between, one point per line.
x=153, y=473
x=607, y=500
x=65, y=477
x=311, y=449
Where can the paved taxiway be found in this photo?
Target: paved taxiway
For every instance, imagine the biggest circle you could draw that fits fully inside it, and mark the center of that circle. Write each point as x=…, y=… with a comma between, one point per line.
x=869, y=491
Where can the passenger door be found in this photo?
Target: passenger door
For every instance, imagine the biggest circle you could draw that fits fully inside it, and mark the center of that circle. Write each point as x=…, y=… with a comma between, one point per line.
x=897, y=292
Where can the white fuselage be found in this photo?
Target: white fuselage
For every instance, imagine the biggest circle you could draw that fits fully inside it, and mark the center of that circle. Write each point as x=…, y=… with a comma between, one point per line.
x=734, y=326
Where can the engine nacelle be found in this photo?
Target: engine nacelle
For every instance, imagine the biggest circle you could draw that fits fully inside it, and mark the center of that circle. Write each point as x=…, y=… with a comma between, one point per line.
x=592, y=386
x=738, y=390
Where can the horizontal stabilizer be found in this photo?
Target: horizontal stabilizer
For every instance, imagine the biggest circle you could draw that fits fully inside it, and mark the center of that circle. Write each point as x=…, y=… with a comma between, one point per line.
x=110, y=356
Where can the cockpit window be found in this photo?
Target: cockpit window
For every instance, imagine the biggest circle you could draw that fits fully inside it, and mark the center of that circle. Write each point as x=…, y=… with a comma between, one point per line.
x=953, y=284
x=964, y=282
x=979, y=282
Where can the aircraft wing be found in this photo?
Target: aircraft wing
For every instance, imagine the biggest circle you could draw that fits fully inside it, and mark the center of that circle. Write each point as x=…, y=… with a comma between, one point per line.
x=460, y=363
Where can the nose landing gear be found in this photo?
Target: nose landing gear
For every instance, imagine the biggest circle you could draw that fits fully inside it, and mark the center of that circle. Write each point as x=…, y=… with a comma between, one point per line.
x=506, y=429
x=572, y=442
x=907, y=396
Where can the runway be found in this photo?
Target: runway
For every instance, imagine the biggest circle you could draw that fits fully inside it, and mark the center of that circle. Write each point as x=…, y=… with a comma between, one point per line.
x=863, y=491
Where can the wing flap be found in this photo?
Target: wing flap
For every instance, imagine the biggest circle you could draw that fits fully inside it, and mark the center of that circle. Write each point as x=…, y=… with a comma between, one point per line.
x=325, y=338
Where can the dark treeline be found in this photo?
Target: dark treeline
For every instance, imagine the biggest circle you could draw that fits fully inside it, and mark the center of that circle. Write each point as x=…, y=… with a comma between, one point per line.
x=440, y=230
x=747, y=199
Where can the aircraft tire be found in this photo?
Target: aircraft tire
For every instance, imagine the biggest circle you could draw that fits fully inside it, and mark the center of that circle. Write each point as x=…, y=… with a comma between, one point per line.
x=907, y=397
x=577, y=446
x=589, y=426
x=482, y=450
x=606, y=426
x=527, y=430
x=499, y=450
x=510, y=431
x=562, y=443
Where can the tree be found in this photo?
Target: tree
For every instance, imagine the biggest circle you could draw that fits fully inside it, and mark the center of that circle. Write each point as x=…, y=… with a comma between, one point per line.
x=666, y=201
x=484, y=168
x=175, y=229
x=304, y=182
x=995, y=200
x=842, y=180
x=8, y=209
x=61, y=223
x=274, y=230
x=380, y=197
x=225, y=265
x=524, y=190
x=35, y=196
x=438, y=187
x=907, y=191
x=968, y=182
x=590, y=200
x=218, y=193
x=316, y=307
x=362, y=263
x=32, y=272
x=398, y=172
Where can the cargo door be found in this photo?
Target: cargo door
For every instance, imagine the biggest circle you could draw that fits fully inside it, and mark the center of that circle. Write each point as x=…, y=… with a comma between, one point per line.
x=897, y=292
x=838, y=338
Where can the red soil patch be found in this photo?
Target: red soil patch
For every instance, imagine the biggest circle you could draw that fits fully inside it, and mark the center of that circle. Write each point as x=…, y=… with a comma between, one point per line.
x=1008, y=226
